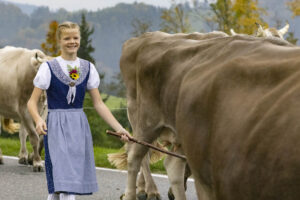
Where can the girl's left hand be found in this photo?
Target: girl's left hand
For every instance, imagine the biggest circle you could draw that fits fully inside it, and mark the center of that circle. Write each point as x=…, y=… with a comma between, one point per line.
x=125, y=136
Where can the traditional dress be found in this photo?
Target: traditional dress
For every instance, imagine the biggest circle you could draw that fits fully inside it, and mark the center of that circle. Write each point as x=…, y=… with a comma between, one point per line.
x=69, y=158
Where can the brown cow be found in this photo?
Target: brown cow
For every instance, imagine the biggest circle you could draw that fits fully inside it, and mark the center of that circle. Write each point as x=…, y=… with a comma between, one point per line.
x=231, y=103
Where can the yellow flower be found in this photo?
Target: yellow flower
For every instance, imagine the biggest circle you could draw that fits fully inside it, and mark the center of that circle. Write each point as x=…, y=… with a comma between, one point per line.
x=74, y=76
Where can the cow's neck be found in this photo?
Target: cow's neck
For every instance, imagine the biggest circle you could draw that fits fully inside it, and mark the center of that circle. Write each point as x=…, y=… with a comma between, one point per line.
x=69, y=56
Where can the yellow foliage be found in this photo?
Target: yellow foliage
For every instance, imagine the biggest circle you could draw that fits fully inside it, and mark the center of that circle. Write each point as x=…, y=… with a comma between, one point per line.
x=294, y=7
x=240, y=15
x=50, y=47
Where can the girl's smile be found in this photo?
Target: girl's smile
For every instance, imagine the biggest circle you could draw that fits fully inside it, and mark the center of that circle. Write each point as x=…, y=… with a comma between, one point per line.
x=69, y=43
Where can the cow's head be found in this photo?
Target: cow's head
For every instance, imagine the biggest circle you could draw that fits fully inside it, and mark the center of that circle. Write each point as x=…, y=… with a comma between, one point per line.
x=271, y=32
x=38, y=58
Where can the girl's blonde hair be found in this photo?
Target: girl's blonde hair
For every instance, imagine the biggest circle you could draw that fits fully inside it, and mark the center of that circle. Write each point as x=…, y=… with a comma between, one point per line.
x=66, y=25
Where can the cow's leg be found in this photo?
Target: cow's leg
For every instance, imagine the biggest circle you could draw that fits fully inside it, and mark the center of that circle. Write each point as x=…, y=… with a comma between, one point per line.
x=175, y=169
x=41, y=145
x=151, y=188
x=135, y=156
x=141, y=186
x=1, y=158
x=34, y=140
x=23, y=154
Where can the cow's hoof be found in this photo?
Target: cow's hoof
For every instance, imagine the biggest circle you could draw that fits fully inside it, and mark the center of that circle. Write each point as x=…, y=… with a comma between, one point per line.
x=30, y=160
x=154, y=197
x=170, y=194
x=1, y=161
x=38, y=169
x=142, y=195
x=23, y=161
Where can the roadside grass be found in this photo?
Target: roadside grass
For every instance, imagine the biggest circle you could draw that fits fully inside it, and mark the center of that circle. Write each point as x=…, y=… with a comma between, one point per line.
x=11, y=147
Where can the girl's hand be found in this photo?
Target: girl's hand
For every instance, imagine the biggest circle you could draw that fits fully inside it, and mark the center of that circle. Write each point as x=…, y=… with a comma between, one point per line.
x=41, y=127
x=125, y=136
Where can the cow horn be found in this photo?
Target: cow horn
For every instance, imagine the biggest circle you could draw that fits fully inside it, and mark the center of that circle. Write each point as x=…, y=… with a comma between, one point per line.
x=260, y=30
x=284, y=30
x=232, y=32
x=38, y=58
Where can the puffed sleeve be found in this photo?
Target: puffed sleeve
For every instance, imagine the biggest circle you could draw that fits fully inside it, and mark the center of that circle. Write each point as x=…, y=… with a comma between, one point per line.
x=94, y=79
x=43, y=77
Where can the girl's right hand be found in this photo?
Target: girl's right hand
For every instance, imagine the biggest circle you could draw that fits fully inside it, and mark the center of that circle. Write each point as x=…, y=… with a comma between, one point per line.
x=41, y=127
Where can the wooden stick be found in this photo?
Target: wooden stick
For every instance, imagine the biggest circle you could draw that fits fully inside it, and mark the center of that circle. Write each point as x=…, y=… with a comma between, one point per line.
x=148, y=145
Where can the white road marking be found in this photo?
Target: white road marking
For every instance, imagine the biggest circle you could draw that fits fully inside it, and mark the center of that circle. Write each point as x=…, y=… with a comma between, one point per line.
x=107, y=169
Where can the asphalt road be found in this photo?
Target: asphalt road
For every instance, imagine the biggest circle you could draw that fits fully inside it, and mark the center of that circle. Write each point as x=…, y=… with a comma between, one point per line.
x=18, y=182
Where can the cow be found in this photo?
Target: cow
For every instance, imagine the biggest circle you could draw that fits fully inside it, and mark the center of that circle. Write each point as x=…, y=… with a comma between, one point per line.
x=18, y=67
x=268, y=32
x=231, y=102
x=160, y=124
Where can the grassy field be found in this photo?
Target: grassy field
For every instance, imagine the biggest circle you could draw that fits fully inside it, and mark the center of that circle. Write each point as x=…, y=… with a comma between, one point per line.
x=11, y=147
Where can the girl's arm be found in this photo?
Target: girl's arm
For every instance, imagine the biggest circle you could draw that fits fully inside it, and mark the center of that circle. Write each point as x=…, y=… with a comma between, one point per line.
x=41, y=126
x=105, y=113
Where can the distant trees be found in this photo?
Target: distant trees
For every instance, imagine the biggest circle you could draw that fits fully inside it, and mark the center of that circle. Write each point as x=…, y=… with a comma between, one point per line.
x=86, y=47
x=240, y=15
x=291, y=38
x=175, y=19
x=50, y=47
x=140, y=27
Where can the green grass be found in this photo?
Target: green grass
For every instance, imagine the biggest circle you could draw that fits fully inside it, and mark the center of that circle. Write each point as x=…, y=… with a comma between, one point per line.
x=11, y=147
x=113, y=102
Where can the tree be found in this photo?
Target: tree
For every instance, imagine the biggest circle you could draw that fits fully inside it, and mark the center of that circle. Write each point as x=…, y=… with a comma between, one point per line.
x=50, y=47
x=175, y=19
x=294, y=7
x=291, y=38
x=140, y=27
x=117, y=86
x=86, y=47
x=240, y=15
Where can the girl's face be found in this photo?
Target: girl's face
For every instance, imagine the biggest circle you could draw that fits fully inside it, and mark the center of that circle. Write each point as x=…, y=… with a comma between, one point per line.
x=69, y=41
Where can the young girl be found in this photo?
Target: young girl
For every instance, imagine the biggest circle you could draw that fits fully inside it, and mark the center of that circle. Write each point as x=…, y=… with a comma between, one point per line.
x=69, y=158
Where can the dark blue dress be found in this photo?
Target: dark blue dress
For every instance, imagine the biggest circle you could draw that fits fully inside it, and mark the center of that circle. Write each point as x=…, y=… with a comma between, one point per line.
x=69, y=157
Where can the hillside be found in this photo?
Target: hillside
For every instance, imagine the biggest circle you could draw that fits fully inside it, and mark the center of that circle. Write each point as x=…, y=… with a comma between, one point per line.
x=26, y=26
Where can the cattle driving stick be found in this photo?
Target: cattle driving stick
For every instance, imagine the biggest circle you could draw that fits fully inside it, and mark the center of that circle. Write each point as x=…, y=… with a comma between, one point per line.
x=148, y=145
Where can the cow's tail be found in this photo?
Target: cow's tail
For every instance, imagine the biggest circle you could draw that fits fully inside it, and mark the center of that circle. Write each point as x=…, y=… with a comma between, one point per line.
x=119, y=159
x=9, y=125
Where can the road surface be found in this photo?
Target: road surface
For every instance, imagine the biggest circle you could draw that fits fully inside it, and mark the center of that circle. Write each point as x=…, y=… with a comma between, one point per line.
x=18, y=182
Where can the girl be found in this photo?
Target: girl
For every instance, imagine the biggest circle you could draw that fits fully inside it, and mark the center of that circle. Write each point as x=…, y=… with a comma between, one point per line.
x=69, y=159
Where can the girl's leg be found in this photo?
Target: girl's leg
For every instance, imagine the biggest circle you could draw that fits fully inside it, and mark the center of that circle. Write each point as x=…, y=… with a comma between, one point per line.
x=64, y=196
x=53, y=196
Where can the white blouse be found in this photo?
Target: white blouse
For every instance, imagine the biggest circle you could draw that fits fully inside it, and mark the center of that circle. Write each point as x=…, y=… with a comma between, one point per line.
x=43, y=76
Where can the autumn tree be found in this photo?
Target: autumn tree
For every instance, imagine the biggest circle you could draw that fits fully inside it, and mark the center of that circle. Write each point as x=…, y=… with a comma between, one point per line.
x=86, y=47
x=294, y=7
x=50, y=47
x=240, y=15
x=175, y=19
